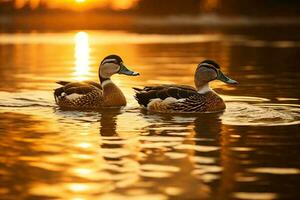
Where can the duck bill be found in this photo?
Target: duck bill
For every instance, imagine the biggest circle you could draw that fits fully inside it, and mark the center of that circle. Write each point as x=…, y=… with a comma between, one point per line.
x=126, y=71
x=225, y=79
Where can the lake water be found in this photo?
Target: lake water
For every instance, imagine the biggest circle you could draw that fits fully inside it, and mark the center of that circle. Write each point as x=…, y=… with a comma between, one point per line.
x=250, y=151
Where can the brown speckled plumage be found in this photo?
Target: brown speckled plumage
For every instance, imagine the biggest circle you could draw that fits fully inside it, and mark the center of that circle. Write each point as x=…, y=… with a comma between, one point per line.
x=89, y=96
x=208, y=102
x=184, y=99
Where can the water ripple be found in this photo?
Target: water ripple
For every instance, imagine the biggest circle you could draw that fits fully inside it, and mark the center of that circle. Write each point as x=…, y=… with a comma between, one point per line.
x=261, y=114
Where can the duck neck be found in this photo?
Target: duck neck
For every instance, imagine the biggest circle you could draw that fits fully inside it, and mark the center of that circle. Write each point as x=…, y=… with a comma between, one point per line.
x=104, y=81
x=204, y=88
x=112, y=94
x=107, y=84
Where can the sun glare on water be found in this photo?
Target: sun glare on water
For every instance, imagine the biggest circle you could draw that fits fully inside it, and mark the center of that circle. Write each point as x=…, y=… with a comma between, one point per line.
x=82, y=57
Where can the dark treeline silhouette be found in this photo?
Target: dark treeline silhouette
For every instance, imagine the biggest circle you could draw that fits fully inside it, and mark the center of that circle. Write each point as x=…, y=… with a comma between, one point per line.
x=168, y=7
x=223, y=7
x=259, y=7
x=184, y=7
x=8, y=6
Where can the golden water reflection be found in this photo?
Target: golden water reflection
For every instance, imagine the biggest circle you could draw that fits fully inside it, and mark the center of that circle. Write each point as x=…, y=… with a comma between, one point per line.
x=130, y=154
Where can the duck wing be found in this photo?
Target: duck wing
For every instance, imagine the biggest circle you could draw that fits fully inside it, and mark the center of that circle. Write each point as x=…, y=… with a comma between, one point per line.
x=79, y=83
x=69, y=88
x=148, y=93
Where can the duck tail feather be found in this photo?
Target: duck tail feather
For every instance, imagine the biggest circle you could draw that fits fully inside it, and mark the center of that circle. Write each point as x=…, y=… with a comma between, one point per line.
x=62, y=82
x=137, y=89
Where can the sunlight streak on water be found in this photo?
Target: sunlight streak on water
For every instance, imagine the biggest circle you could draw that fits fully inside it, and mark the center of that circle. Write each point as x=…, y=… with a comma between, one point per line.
x=82, y=56
x=273, y=170
x=254, y=196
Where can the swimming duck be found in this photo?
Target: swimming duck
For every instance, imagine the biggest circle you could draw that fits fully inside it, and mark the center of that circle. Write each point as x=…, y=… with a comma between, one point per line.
x=186, y=99
x=92, y=95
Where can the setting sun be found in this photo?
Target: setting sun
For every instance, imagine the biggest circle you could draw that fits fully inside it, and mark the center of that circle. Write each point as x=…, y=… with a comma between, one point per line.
x=80, y=1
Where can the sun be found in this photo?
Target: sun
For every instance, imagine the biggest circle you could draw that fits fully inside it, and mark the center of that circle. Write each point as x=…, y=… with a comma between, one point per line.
x=80, y=1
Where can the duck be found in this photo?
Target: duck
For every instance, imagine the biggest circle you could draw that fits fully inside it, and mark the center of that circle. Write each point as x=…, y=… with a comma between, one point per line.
x=92, y=95
x=173, y=98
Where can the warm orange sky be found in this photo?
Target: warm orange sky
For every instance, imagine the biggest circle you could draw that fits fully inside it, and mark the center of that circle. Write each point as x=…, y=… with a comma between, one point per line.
x=79, y=4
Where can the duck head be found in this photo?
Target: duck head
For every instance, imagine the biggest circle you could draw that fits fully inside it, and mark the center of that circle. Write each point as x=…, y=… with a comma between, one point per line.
x=113, y=64
x=209, y=70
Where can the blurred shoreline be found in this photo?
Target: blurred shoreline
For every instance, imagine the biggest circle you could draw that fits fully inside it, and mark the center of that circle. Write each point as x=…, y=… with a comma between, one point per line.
x=125, y=21
x=64, y=21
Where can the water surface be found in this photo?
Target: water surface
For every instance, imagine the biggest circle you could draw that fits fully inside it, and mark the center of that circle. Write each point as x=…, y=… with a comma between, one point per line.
x=250, y=151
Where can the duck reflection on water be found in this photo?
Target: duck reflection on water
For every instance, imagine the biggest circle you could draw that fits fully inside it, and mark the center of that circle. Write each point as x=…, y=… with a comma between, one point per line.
x=190, y=143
